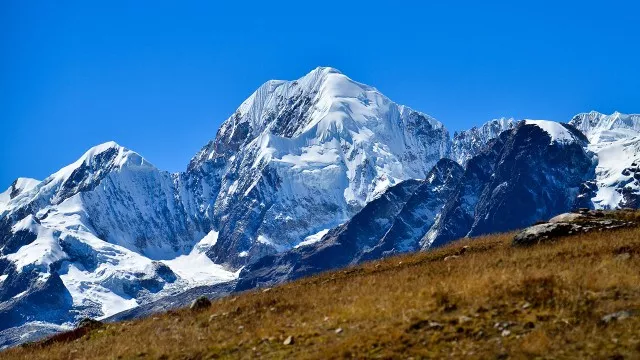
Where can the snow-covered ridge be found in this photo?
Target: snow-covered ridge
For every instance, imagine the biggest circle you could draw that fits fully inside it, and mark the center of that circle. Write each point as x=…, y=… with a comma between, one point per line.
x=19, y=186
x=601, y=128
x=557, y=131
x=468, y=143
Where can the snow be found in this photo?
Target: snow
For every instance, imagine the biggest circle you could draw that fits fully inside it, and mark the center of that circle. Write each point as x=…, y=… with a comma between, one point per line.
x=558, y=133
x=197, y=267
x=3, y=278
x=28, y=223
x=312, y=239
x=17, y=296
x=19, y=186
x=83, y=287
x=42, y=252
x=601, y=129
x=613, y=159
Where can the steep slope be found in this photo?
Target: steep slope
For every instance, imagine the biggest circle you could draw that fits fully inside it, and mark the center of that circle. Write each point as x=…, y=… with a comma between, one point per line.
x=615, y=139
x=602, y=129
x=529, y=173
x=466, y=144
x=97, y=237
x=392, y=223
x=303, y=156
x=19, y=186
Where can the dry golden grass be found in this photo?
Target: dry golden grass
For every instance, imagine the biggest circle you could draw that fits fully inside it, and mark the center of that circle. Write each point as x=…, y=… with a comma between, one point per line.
x=552, y=298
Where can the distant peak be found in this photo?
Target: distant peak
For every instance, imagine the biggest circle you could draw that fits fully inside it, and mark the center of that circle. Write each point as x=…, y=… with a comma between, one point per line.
x=326, y=70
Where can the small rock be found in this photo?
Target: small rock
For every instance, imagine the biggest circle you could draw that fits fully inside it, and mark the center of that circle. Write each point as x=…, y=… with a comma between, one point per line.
x=526, y=305
x=616, y=316
x=213, y=317
x=505, y=333
x=435, y=325
x=89, y=323
x=623, y=257
x=338, y=330
x=288, y=341
x=200, y=303
x=451, y=257
x=266, y=290
x=463, y=249
x=464, y=319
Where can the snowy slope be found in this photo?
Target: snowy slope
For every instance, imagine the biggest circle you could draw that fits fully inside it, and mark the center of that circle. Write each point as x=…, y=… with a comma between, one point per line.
x=104, y=234
x=602, y=129
x=19, y=186
x=298, y=157
x=615, y=139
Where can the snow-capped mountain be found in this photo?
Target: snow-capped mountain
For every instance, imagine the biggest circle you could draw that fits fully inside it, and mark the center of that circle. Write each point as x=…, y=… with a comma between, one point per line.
x=299, y=157
x=603, y=129
x=466, y=144
x=615, y=139
x=19, y=186
x=110, y=231
x=305, y=176
x=101, y=235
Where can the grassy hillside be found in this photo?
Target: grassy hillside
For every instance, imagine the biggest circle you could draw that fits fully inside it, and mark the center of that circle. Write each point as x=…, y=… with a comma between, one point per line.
x=493, y=301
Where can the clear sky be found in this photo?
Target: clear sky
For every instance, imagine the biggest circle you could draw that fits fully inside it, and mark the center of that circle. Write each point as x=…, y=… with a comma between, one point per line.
x=159, y=77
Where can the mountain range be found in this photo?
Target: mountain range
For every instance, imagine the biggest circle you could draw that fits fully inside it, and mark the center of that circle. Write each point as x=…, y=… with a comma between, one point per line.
x=305, y=176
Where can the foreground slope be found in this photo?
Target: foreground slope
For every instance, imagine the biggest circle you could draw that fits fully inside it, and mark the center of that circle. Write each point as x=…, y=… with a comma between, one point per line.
x=575, y=298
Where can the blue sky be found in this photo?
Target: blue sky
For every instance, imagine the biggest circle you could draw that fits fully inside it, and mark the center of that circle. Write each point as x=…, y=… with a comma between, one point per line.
x=159, y=77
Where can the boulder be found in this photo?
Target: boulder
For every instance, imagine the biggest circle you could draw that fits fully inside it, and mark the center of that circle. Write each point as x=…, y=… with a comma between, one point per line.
x=566, y=217
x=200, y=303
x=543, y=232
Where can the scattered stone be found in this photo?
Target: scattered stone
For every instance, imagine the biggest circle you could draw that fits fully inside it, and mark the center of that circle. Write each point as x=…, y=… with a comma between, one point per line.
x=435, y=325
x=266, y=290
x=464, y=319
x=526, y=305
x=464, y=249
x=213, y=317
x=200, y=303
x=288, y=341
x=451, y=257
x=505, y=333
x=623, y=257
x=338, y=330
x=617, y=316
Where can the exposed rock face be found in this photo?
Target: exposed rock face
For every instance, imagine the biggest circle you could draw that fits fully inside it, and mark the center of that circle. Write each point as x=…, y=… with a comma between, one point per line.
x=301, y=157
x=529, y=173
x=467, y=144
x=393, y=223
x=615, y=139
